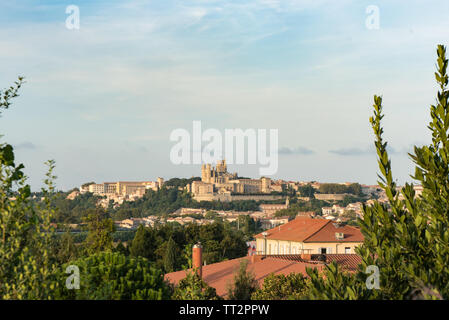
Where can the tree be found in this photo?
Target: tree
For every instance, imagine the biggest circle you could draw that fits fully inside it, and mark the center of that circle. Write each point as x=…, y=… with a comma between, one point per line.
x=143, y=244
x=211, y=215
x=100, y=229
x=120, y=248
x=114, y=276
x=26, y=264
x=170, y=256
x=283, y=287
x=66, y=249
x=244, y=284
x=84, y=185
x=192, y=287
x=306, y=191
x=409, y=244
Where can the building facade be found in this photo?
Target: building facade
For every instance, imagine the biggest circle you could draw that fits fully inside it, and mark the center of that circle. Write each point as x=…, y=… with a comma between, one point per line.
x=218, y=184
x=122, y=188
x=309, y=236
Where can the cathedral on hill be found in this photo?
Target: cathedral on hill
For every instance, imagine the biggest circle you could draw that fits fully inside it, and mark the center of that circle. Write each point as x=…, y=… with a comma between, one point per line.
x=219, y=184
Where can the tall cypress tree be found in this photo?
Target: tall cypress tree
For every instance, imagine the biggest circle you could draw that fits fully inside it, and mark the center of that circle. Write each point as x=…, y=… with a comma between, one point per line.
x=170, y=256
x=143, y=244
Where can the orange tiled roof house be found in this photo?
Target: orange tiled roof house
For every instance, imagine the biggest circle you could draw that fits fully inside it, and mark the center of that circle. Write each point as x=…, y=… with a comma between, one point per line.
x=309, y=236
x=295, y=246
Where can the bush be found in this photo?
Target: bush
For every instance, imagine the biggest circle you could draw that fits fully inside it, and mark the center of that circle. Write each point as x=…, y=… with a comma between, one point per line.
x=244, y=284
x=192, y=287
x=283, y=287
x=114, y=276
x=409, y=242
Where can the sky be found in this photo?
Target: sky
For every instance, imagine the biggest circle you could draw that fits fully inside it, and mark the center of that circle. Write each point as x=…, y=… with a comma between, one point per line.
x=103, y=99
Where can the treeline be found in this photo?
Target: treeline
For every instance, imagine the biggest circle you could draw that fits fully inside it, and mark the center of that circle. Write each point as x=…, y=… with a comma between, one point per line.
x=335, y=188
x=306, y=191
x=314, y=205
x=170, y=246
x=181, y=182
x=168, y=200
x=161, y=202
x=69, y=211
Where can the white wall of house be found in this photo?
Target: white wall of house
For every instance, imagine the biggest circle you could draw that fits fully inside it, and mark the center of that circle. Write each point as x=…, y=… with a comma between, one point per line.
x=292, y=247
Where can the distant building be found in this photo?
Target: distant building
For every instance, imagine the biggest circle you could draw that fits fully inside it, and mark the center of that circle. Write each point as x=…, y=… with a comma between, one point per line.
x=270, y=209
x=331, y=196
x=73, y=195
x=273, y=222
x=218, y=184
x=307, y=235
x=122, y=190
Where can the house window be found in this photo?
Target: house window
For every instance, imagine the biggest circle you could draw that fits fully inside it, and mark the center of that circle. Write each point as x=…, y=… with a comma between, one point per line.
x=322, y=250
x=347, y=249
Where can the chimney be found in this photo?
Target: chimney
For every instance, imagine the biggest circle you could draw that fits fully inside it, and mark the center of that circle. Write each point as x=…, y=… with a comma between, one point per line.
x=197, y=259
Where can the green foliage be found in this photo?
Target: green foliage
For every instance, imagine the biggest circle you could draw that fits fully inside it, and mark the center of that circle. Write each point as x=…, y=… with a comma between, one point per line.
x=283, y=287
x=187, y=255
x=306, y=191
x=114, y=276
x=351, y=214
x=26, y=262
x=192, y=287
x=211, y=215
x=100, y=227
x=87, y=184
x=409, y=243
x=10, y=93
x=65, y=248
x=244, y=284
x=247, y=225
x=336, y=284
x=314, y=205
x=76, y=210
x=220, y=242
x=168, y=200
x=120, y=248
x=170, y=256
x=180, y=182
x=335, y=188
x=350, y=199
x=143, y=244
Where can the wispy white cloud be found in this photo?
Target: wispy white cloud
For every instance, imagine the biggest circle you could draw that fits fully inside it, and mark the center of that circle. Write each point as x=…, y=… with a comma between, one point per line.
x=138, y=69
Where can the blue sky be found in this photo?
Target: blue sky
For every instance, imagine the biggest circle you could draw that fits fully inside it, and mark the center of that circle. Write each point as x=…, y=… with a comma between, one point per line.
x=102, y=100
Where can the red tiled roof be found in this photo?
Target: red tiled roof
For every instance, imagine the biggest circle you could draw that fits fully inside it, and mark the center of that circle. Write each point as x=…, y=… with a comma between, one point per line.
x=220, y=275
x=298, y=229
x=304, y=229
x=347, y=261
x=327, y=234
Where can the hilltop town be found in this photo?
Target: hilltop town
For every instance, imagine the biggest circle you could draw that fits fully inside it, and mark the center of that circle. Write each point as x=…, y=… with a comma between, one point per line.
x=273, y=202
